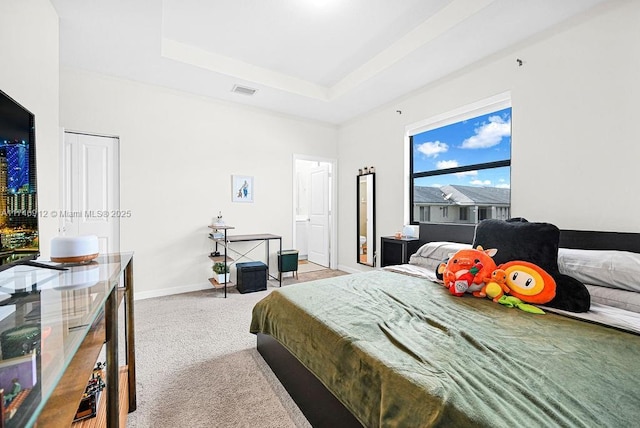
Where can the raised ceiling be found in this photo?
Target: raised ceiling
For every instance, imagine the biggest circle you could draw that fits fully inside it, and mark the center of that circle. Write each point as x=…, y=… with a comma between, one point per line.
x=328, y=60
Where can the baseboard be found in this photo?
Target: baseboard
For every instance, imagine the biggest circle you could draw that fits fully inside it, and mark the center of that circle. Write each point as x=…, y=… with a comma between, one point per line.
x=348, y=269
x=171, y=291
x=200, y=286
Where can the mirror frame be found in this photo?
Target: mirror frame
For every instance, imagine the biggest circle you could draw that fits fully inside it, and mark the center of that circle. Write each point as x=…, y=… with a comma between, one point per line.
x=368, y=247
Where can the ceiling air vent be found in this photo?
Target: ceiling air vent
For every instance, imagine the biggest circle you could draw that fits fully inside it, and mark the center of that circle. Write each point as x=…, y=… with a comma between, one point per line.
x=243, y=90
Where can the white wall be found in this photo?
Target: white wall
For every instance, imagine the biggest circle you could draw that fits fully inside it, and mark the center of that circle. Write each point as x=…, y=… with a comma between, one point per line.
x=575, y=144
x=177, y=155
x=29, y=75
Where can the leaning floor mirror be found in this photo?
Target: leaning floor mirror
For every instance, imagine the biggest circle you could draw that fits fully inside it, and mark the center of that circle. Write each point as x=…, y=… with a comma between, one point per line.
x=366, y=219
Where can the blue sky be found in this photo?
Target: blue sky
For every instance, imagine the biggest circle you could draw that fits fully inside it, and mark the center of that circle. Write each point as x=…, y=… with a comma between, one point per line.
x=485, y=138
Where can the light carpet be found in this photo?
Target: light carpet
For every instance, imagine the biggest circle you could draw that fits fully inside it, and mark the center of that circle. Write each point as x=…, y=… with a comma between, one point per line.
x=197, y=364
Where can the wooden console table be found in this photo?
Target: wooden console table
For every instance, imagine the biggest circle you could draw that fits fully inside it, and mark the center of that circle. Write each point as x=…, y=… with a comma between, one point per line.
x=75, y=312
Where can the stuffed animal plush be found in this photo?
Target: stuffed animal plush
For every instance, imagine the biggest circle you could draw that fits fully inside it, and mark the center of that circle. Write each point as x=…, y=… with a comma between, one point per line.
x=466, y=270
x=537, y=243
x=474, y=271
x=441, y=268
x=529, y=282
x=495, y=286
x=514, y=302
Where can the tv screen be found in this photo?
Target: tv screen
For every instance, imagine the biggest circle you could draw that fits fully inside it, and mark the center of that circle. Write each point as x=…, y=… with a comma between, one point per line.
x=18, y=193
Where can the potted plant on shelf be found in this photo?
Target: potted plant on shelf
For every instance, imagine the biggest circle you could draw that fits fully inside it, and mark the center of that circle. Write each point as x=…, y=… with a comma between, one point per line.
x=221, y=271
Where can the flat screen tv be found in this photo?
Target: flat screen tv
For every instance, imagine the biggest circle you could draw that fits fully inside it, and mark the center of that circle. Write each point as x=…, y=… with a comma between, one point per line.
x=19, y=238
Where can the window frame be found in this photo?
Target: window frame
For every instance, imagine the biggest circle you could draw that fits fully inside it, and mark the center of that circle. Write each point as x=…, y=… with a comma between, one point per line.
x=490, y=105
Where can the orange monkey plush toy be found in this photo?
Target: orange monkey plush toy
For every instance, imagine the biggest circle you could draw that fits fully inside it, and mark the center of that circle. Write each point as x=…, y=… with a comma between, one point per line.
x=466, y=270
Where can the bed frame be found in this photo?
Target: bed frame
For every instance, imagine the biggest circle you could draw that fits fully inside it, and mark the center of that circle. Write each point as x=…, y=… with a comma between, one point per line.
x=320, y=406
x=578, y=239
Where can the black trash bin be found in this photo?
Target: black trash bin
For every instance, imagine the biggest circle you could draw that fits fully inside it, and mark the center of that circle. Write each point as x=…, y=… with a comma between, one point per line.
x=287, y=262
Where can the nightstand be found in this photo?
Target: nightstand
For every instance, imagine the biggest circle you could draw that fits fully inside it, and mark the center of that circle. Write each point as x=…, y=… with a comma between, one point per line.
x=396, y=251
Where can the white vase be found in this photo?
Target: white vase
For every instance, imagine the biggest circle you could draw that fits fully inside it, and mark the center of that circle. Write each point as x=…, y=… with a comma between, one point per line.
x=221, y=278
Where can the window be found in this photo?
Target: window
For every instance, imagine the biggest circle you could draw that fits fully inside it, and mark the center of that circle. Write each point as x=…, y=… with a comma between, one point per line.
x=484, y=213
x=464, y=214
x=464, y=164
x=503, y=213
x=425, y=214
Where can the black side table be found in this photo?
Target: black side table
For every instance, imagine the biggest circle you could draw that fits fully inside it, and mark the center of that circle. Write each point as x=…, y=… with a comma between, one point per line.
x=396, y=251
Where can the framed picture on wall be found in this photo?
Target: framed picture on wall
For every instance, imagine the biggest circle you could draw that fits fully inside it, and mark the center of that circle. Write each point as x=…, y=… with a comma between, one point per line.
x=241, y=188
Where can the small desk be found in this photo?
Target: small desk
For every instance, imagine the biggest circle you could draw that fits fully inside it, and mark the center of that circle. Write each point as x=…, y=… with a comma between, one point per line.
x=261, y=238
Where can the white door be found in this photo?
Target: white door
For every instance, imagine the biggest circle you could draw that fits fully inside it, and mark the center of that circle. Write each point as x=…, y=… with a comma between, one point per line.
x=91, y=189
x=319, y=215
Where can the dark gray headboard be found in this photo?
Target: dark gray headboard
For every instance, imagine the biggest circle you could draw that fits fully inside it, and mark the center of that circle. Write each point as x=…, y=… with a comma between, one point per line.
x=580, y=239
x=434, y=232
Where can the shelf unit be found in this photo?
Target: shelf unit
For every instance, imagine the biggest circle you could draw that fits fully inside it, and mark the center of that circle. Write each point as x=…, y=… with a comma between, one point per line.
x=100, y=420
x=222, y=258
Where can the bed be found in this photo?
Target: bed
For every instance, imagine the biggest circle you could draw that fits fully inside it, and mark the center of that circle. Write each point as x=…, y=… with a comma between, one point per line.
x=391, y=348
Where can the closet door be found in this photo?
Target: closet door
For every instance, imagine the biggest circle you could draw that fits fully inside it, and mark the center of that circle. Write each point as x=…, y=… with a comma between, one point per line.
x=91, y=189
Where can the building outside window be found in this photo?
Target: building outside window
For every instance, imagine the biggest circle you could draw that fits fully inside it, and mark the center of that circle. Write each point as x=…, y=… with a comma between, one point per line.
x=461, y=166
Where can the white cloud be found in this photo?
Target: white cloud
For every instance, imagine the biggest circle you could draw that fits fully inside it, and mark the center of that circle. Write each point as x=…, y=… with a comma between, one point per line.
x=432, y=149
x=503, y=186
x=467, y=174
x=480, y=182
x=488, y=134
x=447, y=164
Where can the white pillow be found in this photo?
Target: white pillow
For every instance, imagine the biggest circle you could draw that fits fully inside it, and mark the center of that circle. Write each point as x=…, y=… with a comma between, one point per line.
x=607, y=268
x=622, y=299
x=431, y=254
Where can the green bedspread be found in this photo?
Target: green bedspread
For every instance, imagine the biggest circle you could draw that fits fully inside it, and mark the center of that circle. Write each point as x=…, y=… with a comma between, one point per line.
x=401, y=351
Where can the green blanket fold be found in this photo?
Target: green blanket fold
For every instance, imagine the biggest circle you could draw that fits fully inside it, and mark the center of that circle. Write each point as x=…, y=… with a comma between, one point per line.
x=401, y=351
